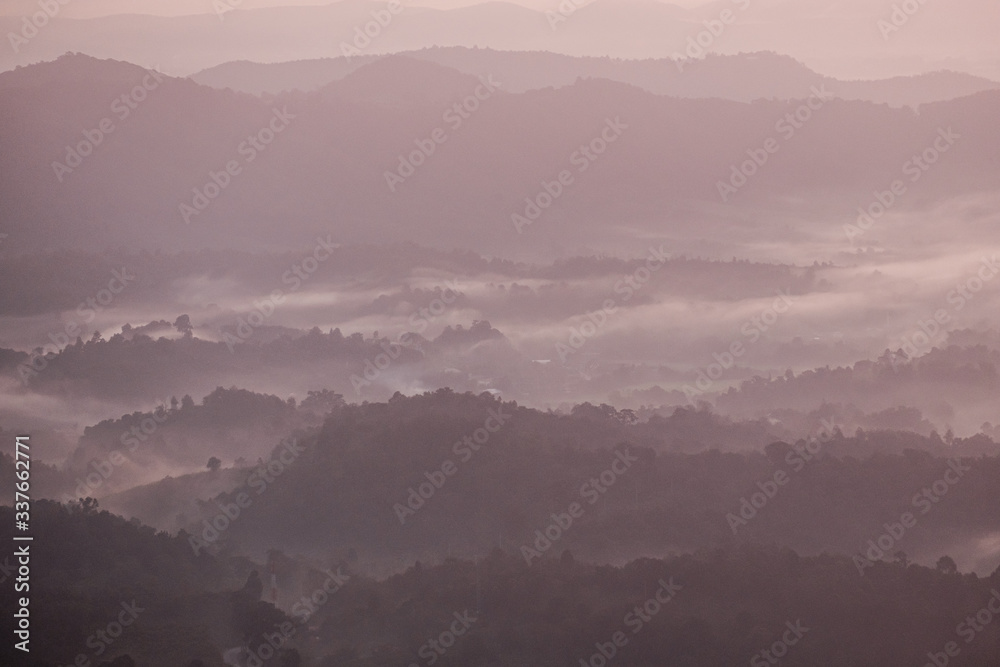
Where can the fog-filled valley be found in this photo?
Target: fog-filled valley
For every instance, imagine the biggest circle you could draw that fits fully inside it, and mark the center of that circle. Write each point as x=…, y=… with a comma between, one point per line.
x=483, y=334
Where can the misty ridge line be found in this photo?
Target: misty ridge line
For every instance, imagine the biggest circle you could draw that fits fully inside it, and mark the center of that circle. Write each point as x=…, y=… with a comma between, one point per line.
x=646, y=611
x=752, y=329
x=697, y=46
x=263, y=309
x=974, y=285
x=366, y=35
x=263, y=477
x=391, y=351
x=304, y=269
x=218, y=180
x=130, y=439
x=597, y=319
x=927, y=331
x=526, y=71
x=748, y=427
x=87, y=311
x=557, y=26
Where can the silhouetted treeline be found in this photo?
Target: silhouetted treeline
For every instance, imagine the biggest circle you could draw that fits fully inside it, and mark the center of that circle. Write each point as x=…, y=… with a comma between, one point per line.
x=402, y=480
x=103, y=587
x=726, y=606
x=715, y=607
x=945, y=383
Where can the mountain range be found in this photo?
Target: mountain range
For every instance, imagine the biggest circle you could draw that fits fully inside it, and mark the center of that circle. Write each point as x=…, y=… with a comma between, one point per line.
x=742, y=77
x=845, y=39
x=343, y=160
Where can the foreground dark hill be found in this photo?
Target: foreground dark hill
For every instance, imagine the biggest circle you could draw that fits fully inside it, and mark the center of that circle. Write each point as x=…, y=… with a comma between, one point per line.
x=325, y=168
x=714, y=608
x=744, y=77
x=101, y=588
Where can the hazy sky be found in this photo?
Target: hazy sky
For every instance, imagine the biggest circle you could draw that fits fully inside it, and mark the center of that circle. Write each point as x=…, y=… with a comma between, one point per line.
x=92, y=8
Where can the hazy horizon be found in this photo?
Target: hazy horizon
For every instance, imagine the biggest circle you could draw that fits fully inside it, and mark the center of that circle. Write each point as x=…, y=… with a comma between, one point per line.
x=859, y=39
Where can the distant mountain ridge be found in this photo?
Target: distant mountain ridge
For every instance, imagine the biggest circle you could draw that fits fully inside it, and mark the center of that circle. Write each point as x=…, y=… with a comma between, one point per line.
x=841, y=39
x=328, y=171
x=744, y=77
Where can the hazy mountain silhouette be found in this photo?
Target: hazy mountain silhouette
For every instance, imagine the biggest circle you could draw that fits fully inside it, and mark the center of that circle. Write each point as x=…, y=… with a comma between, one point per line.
x=744, y=77
x=374, y=334
x=330, y=166
x=843, y=38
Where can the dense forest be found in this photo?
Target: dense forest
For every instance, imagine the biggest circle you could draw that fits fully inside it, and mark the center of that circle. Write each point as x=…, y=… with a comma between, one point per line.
x=713, y=607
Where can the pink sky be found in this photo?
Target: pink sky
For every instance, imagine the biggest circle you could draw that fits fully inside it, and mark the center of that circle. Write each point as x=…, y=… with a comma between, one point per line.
x=92, y=8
